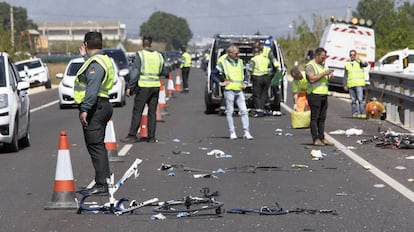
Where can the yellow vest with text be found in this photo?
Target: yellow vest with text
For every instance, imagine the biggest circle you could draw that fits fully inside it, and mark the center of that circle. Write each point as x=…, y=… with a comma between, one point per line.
x=321, y=86
x=234, y=74
x=356, y=75
x=151, y=68
x=261, y=65
x=186, y=58
x=107, y=81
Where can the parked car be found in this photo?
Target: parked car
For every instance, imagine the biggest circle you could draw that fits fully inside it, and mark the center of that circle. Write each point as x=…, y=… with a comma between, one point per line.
x=399, y=61
x=66, y=85
x=35, y=72
x=213, y=93
x=120, y=59
x=14, y=106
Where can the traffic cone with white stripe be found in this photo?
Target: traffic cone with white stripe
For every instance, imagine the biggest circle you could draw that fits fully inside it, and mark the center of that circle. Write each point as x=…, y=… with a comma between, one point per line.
x=178, y=86
x=110, y=143
x=170, y=87
x=162, y=102
x=143, y=128
x=64, y=189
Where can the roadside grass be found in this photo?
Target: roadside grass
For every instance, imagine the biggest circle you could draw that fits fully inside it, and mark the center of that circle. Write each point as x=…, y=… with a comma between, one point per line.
x=55, y=68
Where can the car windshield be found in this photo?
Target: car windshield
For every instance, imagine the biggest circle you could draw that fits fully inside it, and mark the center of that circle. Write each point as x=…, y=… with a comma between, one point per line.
x=119, y=57
x=2, y=73
x=73, y=69
x=30, y=65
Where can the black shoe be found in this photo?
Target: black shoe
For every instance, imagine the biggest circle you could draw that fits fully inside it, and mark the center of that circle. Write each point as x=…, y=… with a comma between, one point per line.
x=152, y=140
x=143, y=139
x=101, y=190
x=129, y=139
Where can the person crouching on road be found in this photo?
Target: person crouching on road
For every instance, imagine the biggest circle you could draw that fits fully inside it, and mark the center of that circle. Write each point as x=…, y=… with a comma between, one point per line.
x=145, y=81
x=260, y=77
x=91, y=92
x=354, y=82
x=318, y=77
x=230, y=74
x=299, y=88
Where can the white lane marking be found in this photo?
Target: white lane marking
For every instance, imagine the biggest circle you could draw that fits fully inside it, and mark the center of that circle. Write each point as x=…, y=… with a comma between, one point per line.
x=124, y=150
x=44, y=106
x=374, y=170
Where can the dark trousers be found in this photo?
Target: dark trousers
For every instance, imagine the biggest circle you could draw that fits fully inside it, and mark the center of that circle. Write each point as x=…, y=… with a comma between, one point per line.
x=94, y=135
x=145, y=96
x=260, y=89
x=276, y=98
x=185, y=72
x=319, y=106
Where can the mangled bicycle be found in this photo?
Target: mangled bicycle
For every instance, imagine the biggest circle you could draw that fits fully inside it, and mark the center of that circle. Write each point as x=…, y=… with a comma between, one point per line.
x=190, y=205
x=114, y=206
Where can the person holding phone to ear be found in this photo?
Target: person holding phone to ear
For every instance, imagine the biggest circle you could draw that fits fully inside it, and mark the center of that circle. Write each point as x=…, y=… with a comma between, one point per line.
x=318, y=77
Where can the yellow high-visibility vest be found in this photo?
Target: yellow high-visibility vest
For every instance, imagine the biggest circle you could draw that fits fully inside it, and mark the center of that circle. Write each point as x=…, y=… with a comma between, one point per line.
x=106, y=83
x=234, y=74
x=261, y=65
x=356, y=75
x=151, y=68
x=321, y=86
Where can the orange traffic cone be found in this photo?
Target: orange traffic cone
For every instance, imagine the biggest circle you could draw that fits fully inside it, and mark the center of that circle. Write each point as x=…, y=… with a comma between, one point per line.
x=178, y=82
x=143, y=128
x=162, y=103
x=159, y=117
x=64, y=189
x=110, y=142
x=170, y=88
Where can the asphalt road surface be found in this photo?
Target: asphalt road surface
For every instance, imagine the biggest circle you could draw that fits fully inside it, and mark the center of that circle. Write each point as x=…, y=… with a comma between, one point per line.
x=367, y=186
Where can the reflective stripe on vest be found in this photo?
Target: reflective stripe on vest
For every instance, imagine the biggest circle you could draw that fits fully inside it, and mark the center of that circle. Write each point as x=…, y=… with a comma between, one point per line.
x=321, y=86
x=107, y=81
x=261, y=65
x=151, y=68
x=356, y=75
x=234, y=74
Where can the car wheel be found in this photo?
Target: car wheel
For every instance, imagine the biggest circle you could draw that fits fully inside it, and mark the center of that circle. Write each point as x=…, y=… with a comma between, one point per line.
x=25, y=141
x=14, y=145
x=61, y=106
x=210, y=108
x=48, y=84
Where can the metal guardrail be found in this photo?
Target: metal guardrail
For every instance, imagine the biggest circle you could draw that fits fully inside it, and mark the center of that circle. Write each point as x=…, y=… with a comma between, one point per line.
x=396, y=91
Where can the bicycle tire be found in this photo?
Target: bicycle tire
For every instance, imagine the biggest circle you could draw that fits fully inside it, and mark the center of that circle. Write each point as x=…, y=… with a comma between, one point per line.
x=189, y=205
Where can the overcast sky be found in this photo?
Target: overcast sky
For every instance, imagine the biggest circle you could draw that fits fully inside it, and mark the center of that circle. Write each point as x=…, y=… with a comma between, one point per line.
x=205, y=17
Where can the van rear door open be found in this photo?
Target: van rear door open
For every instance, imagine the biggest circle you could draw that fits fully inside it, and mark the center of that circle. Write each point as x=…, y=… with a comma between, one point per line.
x=338, y=39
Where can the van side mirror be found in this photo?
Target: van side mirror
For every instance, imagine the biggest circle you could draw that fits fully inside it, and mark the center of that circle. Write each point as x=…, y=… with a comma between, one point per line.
x=309, y=55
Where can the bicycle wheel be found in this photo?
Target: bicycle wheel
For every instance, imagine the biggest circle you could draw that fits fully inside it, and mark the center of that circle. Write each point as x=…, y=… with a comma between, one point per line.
x=190, y=205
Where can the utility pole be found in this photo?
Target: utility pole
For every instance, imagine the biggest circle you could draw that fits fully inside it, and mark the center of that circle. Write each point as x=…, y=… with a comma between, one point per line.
x=348, y=13
x=12, y=26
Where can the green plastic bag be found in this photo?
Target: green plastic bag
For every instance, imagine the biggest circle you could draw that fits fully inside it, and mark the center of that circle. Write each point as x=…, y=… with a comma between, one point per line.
x=277, y=78
x=300, y=119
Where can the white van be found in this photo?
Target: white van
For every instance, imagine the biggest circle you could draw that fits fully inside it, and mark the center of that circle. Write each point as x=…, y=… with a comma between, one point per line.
x=338, y=39
x=400, y=61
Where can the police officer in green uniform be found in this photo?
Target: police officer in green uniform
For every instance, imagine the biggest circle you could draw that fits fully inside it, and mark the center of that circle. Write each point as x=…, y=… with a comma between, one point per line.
x=185, y=68
x=318, y=77
x=91, y=92
x=145, y=81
